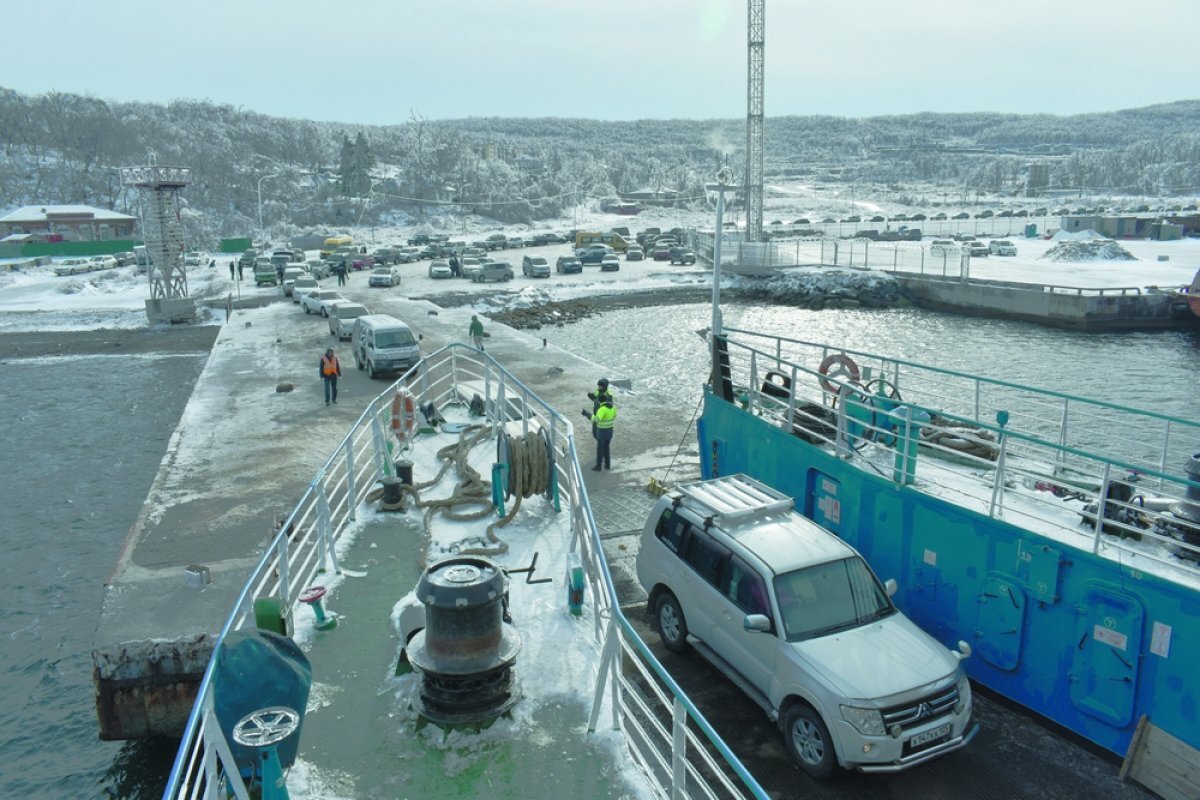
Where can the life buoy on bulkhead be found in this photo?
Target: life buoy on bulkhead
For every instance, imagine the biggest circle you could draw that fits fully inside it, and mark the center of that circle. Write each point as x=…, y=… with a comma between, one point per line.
x=404, y=415
x=846, y=370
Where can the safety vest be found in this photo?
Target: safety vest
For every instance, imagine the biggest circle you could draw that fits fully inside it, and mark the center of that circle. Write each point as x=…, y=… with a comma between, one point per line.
x=329, y=366
x=605, y=416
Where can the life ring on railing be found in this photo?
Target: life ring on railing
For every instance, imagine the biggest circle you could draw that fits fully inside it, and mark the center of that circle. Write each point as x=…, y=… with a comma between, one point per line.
x=846, y=370
x=404, y=415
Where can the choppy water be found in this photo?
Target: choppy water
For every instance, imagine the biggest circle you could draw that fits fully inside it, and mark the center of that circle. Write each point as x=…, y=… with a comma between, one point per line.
x=84, y=438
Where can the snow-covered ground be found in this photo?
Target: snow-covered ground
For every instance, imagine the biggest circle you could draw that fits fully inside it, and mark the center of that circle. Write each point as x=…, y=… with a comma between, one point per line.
x=36, y=299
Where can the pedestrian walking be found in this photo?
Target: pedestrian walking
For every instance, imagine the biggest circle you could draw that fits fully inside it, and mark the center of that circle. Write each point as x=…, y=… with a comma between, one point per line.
x=230, y=270
x=476, y=332
x=241, y=267
x=597, y=397
x=330, y=370
x=341, y=272
x=603, y=420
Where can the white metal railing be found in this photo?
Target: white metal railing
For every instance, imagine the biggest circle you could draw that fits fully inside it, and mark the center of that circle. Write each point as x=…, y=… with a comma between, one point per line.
x=643, y=693
x=1000, y=448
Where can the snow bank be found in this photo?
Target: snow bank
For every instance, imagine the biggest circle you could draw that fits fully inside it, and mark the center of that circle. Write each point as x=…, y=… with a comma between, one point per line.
x=1088, y=250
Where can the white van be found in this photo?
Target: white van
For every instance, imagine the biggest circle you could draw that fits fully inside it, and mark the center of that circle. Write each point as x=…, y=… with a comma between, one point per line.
x=383, y=343
x=795, y=618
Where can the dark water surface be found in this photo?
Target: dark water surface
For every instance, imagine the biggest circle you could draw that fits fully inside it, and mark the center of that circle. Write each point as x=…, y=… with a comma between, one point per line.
x=83, y=439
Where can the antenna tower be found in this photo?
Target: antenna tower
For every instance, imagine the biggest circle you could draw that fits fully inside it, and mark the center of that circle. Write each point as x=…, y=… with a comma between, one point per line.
x=754, y=120
x=158, y=193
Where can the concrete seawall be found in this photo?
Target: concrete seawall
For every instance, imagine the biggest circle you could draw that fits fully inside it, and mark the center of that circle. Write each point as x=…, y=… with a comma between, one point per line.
x=1059, y=306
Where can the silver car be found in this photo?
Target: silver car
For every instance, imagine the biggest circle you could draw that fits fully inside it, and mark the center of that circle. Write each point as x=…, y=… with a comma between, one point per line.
x=384, y=276
x=795, y=617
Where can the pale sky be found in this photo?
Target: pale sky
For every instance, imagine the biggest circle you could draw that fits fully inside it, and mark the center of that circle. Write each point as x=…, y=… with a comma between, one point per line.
x=379, y=61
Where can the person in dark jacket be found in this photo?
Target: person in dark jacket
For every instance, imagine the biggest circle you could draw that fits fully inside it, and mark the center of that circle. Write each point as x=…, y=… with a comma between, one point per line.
x=329, y=370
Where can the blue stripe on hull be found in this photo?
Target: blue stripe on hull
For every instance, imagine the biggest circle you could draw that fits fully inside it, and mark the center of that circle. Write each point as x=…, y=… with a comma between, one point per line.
x=1072, y=636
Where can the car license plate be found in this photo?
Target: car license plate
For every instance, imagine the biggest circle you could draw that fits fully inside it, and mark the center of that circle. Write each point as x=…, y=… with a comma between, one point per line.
x=929, y=736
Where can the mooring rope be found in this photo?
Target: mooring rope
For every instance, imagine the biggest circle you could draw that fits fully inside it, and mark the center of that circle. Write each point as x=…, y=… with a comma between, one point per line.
x=529, y=475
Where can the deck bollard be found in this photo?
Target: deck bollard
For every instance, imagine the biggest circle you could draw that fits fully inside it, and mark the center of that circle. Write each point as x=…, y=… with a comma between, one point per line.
x=312, y=597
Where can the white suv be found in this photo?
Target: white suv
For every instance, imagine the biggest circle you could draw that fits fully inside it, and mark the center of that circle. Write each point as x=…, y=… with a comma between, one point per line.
x=797, y=620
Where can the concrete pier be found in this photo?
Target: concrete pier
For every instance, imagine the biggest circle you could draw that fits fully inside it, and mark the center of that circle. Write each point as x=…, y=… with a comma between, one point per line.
x=1105, y=309
x=244, y=453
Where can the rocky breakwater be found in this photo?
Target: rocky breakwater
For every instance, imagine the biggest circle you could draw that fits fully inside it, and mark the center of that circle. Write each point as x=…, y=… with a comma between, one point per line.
x=822, y=287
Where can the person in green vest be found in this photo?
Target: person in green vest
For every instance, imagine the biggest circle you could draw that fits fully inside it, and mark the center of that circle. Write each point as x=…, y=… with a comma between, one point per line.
x=476, y=332
x=602, y=421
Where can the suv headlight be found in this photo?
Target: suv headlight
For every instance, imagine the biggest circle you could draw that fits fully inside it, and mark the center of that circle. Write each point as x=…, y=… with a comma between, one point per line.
x=865, y=720
x=964, y=695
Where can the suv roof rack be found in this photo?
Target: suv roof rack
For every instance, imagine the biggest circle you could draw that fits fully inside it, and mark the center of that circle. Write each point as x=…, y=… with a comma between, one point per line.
x=736, y=497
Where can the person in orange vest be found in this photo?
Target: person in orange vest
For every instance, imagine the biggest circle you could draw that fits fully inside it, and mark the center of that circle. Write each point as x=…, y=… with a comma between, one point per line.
x=330, y=370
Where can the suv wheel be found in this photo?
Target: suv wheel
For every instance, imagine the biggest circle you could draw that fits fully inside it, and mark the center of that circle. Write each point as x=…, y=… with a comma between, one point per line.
x=672, y=627
x=371, y=373
x=808, y=741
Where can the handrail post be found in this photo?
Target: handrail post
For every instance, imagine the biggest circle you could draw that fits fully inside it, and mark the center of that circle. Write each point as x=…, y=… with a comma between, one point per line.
x=678, y=750
x=378, y=438
x=1162, y=462
x=524, y=411
x=489, y=408
x=325, y=523
x=285, y=579
x=1061, y=456
x=607, y=660
x=791, y=412
x=997, y=503
x=454, y=373
x=1101, y=507
x=351, y=492
x=753, y=388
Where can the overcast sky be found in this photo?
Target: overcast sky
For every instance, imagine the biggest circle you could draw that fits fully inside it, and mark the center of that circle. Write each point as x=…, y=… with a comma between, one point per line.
x=379, y=61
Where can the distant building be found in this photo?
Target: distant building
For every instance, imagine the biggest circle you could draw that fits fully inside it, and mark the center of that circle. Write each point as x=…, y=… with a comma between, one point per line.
x=1038, y=180
x=71, y=223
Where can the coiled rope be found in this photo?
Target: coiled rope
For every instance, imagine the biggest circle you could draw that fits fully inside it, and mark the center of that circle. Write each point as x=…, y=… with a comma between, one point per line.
x=529, y=474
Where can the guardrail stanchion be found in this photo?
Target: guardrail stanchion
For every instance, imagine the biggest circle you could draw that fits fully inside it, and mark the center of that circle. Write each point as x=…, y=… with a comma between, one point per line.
x=379, y=440
x=524, y=411
x=351, y=492
x=1101, y=503
x=607, y=664
x=285, y=581
x=678, y=751
x=325, y=524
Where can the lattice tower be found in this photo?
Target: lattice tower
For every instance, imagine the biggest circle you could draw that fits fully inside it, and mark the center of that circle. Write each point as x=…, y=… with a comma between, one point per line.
x=756, y=12
x=159, y=188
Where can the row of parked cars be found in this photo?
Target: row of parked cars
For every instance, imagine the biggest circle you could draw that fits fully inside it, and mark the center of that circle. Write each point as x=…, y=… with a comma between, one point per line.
x=77, y=266
x=380, y=343
x=973, y=247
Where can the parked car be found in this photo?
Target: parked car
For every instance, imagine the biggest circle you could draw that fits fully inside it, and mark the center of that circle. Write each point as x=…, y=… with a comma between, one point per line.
x=795, y=617
x=468, y=267
x=553, y=238
x=264, y=273
x=514, y=241
x=103, y=262
x=610, y=263
x=682, y=255
x=386, y=255
x=977, y=249
x=496, y=241
x=341, y=317
x=384, y=276
x=125, y=258
x=290, y=274
x=854, y=218
x=440, y=269
x=535, y=267
x=302, y=286
x=568, y=265
x=942, y=246
x=318, y=268
x=593, y=253
x=1002, y=247
x=961, y=215
x=493, y=271
x=195, y=259
x=985, y=214
x=634, y=253
x=430, y=251
x=319, y=300
x=661, y=251
x=73, y=266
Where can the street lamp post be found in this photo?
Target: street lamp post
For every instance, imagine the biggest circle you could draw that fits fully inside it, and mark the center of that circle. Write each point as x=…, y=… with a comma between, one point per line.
x=462, y=190
x=260, y=180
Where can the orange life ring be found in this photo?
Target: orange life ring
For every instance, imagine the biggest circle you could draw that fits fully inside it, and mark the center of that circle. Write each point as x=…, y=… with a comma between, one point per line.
x=846, y=370
x=404, y=414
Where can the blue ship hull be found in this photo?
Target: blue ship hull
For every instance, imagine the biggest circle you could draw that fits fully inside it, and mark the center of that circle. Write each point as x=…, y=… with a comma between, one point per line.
x=1073, y=636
